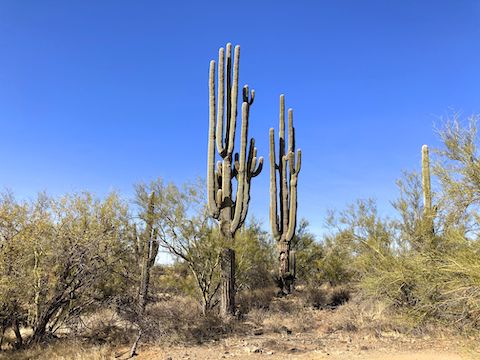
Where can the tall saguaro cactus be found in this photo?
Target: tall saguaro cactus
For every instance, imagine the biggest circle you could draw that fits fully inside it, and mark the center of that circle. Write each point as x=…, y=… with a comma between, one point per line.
x=230, y=211
x=283, y=218
x=428, y=209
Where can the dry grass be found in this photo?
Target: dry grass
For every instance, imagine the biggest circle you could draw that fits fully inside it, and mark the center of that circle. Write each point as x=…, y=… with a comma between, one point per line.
x=178, y=323
x=366, y=316
x=179, y=320
x=62, y=350
x=255, y=299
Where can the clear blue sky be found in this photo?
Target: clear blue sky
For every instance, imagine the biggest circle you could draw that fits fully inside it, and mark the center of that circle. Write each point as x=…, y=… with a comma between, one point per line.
x=99, y=95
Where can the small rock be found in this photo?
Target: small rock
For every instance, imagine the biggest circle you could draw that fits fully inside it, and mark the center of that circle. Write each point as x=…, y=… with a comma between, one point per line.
x=258, y=332
x=270, y=353
x=363, y=347
x=286, y=330
x=253, y=349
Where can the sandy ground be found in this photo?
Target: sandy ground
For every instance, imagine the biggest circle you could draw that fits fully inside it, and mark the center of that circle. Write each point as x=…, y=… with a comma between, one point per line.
x=302, y=334
x=383, y=354
x=302, y=345
x=312, y=346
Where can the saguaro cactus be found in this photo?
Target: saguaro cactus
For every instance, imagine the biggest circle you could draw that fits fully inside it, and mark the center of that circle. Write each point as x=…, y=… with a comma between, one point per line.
x=147, y=247
x=283, y=220
x=243, y=166
x=150, y=250
x=428, y=209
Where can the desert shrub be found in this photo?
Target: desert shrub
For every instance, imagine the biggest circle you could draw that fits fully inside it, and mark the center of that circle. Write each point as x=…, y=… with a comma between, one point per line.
x=335, y=267
x=181, y=320
x=173, y=279
x=254, y=257
x=314, y=296
x=364, y=314
x=308, y=253
x=338, y=296
x=285, y=315
x=324, y=296
x=104, y=326
x=61, y=257
x=255, y=299
x=441, y=287
x=61, y=350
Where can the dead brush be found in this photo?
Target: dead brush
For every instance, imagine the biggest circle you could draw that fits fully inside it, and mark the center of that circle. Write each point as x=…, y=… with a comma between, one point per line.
x=324, y=296
x=365, y=316
x=285, y=315
x=104, y=326
x=180, y=321
x=62, y=350
x=255, y=299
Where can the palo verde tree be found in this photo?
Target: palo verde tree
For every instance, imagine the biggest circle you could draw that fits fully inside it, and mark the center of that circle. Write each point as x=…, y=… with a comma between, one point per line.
x=59, y=259
x=283, y=220
x=230, y=211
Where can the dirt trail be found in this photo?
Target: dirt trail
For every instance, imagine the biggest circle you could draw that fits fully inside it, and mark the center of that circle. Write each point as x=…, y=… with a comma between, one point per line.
x=318, y=346
x=212, y=353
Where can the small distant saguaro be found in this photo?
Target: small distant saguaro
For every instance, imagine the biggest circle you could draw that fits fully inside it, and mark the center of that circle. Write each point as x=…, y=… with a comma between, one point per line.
x=283, y=218
x=230, y=211
x=428, y=209
x=149, y=249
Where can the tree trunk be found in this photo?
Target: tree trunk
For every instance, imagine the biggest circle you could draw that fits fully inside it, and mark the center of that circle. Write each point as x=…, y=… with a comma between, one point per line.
x=286, y=267
x=144, y=282
x=18, y=334
x=227, y=304
x=2, y=336
x=44, y=317
x=142, y=303
x=292, y=266
x=40, y=329
x=133, y=350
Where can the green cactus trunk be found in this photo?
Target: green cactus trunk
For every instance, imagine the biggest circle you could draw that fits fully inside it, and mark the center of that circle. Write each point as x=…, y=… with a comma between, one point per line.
x=150, y=250
x=428, y=209
x=230, y=211
x=283, y=220
x=147, y=247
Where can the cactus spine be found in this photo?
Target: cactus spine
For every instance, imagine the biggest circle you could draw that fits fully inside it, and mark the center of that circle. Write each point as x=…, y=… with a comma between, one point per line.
x=428, y=209
x=243, y=166
x=283, y=217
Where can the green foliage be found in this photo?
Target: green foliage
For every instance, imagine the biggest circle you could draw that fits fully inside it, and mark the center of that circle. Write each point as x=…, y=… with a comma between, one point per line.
x=309, y=254
x=254, y=255
x=174, y=280
x=426, y=275
x=60, y=256
x=335, y=266
x=63, y=258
